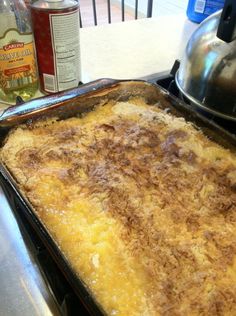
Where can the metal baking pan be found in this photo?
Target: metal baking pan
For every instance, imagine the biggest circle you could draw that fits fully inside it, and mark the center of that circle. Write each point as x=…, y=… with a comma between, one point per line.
x=74, y=102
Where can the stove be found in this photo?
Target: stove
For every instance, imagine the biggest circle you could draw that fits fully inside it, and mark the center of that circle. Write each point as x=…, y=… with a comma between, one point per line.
x=67, y=302
x=167, y=81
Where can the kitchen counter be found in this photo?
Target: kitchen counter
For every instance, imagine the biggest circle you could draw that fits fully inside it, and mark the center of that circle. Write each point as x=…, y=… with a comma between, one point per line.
x=132, y=49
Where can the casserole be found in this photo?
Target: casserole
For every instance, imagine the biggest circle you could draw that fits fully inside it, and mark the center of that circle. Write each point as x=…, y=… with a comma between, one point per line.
x=112, y=194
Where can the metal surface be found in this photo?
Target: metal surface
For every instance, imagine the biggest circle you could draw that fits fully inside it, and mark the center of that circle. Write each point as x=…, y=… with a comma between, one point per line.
x=94, y=12
x=109, y=10
x=122, y=10
x=43, y=5
x=123, y=7
x=136, y=9
x=195, y=103
x=80, y=20
x=23, y=290
x=207, y=71
x=149, y=8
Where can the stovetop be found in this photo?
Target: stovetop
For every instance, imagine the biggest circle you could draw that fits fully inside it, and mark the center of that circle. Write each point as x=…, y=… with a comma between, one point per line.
x=167, y=81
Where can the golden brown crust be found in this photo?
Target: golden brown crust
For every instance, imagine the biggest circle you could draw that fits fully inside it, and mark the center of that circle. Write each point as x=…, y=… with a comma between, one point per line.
x=169, y=190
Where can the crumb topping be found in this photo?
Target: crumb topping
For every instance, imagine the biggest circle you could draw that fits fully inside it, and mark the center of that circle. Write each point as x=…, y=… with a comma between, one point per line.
x=167, y=192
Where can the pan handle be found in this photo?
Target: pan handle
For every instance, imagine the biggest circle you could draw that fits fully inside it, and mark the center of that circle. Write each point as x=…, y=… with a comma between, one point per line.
x=226, y=29
x=23, y=111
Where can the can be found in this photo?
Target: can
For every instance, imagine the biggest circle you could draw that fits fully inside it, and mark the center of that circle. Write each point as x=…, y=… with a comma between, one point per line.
x=56, y=32
x=198, y=10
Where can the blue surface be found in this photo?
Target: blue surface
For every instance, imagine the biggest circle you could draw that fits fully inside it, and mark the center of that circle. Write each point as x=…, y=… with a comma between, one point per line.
x=198, y=10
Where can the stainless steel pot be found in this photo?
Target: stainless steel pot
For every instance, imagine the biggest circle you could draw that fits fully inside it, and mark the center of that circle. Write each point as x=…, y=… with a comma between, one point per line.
x=207, y=73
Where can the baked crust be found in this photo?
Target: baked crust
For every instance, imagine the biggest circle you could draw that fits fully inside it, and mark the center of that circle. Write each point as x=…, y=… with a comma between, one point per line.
x=141, y=203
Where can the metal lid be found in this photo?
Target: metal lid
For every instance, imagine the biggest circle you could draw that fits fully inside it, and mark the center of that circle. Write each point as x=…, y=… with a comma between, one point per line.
x=207, y=73
x=54, y=4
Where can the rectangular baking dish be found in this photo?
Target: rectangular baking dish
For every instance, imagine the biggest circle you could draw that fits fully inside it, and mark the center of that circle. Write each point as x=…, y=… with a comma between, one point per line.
x=74, y=102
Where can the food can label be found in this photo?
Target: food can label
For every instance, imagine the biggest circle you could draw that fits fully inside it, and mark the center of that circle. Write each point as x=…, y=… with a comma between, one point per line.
x=58, y=48
x=208, y=6
x=17, y=60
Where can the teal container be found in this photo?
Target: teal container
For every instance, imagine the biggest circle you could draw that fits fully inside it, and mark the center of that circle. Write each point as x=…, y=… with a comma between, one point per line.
x=198, y=10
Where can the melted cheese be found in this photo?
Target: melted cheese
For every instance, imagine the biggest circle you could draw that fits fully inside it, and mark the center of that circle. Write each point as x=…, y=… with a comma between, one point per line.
x=141, y=203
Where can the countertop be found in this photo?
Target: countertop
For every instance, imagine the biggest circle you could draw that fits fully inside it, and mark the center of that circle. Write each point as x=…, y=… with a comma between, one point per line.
x=133, y=49
x=127, y=50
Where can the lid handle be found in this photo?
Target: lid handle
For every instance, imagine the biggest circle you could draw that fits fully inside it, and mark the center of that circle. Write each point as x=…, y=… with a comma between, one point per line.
x=226, y=30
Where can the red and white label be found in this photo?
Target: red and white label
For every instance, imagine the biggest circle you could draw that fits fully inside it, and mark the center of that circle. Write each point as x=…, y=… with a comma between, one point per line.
x=58, y=50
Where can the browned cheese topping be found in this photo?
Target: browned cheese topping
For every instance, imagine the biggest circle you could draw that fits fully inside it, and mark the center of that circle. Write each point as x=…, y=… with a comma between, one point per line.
x=141, y=203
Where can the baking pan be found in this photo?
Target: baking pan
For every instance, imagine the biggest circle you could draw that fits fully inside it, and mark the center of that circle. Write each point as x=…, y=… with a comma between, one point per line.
x=77, y=101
